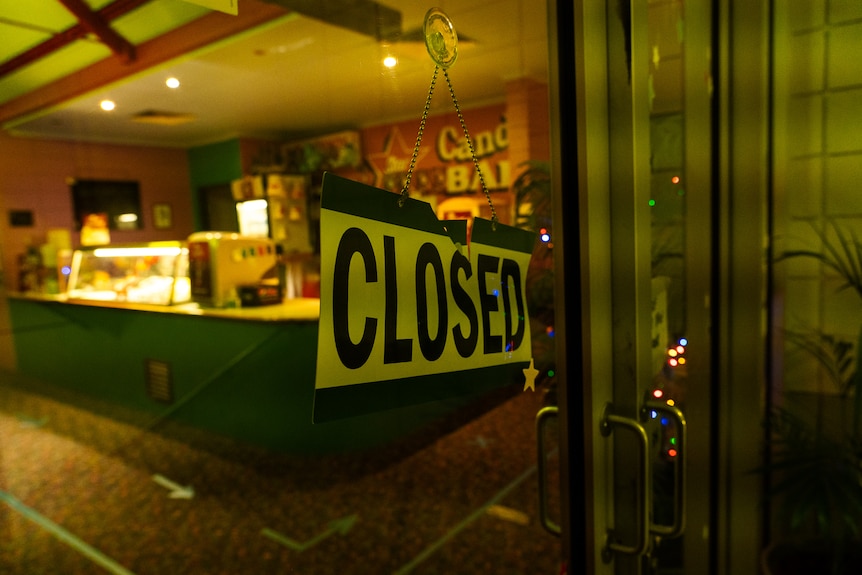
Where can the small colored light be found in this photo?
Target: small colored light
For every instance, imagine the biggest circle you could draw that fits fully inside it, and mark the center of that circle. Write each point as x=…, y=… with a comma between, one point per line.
x=653, y=414
x=683, y=341
x=672, y=362
x=664, y=421
x=673, y=440
x=680, y=349
x=66, y=270
x=652, y=202
x=551, y=373
x=672, y=452
x=671, y=402
x=675, y=179
x=546, y=238
x=657, y=393
x=681, y=360
x=672, y=352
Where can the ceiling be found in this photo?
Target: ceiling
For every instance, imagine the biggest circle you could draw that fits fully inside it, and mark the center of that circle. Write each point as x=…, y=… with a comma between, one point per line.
x=278, y=69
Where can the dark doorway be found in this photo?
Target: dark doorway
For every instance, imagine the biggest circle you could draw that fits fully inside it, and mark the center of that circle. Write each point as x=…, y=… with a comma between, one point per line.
x=218, y=209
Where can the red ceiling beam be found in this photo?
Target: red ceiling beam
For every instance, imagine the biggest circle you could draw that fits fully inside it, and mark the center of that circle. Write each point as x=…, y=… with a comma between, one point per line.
x=197, y=34
x=108, y=14
x=94, y=23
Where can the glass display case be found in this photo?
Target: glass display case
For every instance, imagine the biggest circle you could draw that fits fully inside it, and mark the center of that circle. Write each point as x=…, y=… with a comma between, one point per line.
x=151, y=273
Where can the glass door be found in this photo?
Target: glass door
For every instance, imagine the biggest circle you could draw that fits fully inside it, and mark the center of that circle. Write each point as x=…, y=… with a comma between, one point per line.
x=442, y=487
x=636, y=220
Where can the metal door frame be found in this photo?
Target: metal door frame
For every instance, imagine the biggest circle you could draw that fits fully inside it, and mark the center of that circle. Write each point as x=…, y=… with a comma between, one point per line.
x=739, y=175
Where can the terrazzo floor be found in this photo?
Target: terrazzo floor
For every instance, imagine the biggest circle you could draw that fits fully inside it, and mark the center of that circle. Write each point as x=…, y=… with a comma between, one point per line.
x=82, y=493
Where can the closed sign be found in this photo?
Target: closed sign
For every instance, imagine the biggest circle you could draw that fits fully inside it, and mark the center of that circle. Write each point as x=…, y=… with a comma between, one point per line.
x=406, y=304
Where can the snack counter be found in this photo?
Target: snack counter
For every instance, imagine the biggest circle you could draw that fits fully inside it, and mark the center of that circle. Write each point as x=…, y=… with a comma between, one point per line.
x=245, y=373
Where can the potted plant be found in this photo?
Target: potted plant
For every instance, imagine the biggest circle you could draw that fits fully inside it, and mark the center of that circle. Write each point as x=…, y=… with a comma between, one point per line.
x=817, y=481
x=815, y=457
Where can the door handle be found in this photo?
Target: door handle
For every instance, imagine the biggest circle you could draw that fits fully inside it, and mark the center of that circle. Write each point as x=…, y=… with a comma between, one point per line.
x=678, y=525
x=542, y=418
x=642, y=543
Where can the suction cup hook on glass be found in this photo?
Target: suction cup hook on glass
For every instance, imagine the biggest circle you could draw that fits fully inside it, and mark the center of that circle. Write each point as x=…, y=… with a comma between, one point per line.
x=440, y=38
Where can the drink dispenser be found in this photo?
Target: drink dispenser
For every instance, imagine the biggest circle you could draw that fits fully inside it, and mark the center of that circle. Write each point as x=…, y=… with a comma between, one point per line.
x=227, y=269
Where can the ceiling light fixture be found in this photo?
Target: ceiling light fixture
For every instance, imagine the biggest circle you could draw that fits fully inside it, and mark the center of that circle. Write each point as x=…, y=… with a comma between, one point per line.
x=390, y=61
x=172, y=83
x=107, y=105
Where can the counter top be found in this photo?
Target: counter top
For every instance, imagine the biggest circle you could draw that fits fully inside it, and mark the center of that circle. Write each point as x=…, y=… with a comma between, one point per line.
x=299, y=309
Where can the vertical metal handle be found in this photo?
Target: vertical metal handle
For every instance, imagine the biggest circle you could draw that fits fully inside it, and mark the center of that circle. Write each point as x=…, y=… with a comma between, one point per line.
x=642, y=543
x=678, y=525
x=545, y=414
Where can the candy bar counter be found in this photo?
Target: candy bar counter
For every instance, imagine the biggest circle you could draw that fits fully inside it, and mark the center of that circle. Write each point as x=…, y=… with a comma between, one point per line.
x=245, y=374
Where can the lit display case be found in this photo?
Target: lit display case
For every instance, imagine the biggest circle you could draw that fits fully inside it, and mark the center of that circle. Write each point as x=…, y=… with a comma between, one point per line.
x=153, y=273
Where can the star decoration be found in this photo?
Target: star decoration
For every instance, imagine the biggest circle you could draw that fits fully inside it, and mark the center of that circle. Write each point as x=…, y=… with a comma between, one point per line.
x=394, y=158
x=530, y=376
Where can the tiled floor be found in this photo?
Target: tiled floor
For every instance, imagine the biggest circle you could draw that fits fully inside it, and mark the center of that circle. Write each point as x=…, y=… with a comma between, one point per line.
x=82, y=493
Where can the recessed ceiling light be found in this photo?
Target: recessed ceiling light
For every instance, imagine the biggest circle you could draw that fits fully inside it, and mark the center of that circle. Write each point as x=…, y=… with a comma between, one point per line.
x=390, y=61
x=107, y=105
x=172, y=83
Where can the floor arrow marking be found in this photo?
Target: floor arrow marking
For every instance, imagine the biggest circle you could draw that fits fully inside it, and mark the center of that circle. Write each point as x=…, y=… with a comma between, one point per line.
x=177, y=491
x=431, y=549
x=66, y=537
x=508, y=514
x=31, y=422
x=339, y=526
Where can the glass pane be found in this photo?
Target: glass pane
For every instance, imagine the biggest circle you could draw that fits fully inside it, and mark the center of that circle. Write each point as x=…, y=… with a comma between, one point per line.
x=816, y=412
x=180, y=439
x=680, y=190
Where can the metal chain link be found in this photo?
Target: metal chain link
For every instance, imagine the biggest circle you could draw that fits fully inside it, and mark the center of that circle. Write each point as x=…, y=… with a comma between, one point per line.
x=472, y=150
x=404, y=190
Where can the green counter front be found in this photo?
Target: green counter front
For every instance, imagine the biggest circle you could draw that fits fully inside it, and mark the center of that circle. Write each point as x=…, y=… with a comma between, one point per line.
x=245, y=374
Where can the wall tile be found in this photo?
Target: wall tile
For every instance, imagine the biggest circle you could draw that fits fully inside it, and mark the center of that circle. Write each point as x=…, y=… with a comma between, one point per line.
x=806, y=14
x=804, y=187
x=805, y=68
x=801, y=371
x=844, y=61
x=802, y=304
x=844, y=122
x=805, y=123
x=839, y=306
x=800, y=235
x=844, y=185
x=842, y=10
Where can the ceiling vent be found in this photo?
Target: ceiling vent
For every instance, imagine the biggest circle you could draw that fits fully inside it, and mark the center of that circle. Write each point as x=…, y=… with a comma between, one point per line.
x=162, y=118
x=364, y=16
